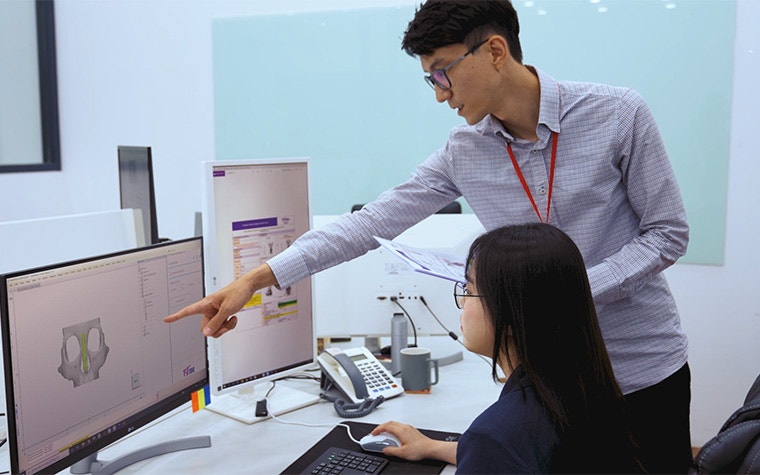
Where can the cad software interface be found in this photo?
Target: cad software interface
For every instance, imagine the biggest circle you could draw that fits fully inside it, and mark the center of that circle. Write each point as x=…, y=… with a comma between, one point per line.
x=90, y=350
x=259, y=209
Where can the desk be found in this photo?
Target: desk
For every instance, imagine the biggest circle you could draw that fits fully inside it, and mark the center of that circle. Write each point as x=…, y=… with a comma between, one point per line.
x=268, y=447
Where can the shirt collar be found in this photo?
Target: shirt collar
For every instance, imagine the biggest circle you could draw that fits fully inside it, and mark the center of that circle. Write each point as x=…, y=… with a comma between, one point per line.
x=517, y=380
x=548, y=112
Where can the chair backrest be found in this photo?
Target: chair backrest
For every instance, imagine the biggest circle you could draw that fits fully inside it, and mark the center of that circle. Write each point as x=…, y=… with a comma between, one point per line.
x=736, y=447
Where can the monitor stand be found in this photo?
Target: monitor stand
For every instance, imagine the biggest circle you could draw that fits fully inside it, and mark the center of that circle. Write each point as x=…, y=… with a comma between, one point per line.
x=449, y=359
x=372, y=343
x=91, y=464
x=241, y=405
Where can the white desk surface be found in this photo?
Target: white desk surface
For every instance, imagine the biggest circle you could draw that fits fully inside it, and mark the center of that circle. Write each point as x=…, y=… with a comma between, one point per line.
x=268, y=447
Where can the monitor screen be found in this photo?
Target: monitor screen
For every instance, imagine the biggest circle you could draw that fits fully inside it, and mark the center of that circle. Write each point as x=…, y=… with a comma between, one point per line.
x=254, y=209
x=365, y=284
x=136, y=187
x=87, y=356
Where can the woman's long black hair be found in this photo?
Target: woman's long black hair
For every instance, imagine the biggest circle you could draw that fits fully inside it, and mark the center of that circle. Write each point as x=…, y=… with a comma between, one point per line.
x=533, y=283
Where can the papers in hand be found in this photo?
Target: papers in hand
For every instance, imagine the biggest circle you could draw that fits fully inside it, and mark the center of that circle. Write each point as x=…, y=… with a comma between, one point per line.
x=444, y=266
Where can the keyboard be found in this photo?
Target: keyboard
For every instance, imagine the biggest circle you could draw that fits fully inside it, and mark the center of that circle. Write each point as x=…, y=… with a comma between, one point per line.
x=346, y=462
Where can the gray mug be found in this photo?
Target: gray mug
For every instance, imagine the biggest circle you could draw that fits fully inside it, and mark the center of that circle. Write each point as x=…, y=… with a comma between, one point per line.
x=416, y=365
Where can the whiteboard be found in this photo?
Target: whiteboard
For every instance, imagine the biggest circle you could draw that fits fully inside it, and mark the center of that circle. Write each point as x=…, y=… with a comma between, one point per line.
x=335, y=85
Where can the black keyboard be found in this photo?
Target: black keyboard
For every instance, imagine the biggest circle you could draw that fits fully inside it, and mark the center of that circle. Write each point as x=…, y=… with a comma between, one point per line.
x=346, y=462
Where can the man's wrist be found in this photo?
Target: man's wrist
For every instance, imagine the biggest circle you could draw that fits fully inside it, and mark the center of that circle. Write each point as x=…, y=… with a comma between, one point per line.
x=260, y=277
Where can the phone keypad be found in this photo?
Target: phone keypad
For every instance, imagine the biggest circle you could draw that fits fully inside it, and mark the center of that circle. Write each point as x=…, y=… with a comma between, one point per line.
x=376, y=377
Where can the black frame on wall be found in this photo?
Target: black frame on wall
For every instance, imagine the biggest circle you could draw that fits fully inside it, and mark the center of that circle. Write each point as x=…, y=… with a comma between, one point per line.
x=48, y=82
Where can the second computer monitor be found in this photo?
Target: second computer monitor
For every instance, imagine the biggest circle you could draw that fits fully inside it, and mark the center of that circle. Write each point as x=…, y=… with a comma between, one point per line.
x=353, y=299
x=253, y=210
x=136, y=188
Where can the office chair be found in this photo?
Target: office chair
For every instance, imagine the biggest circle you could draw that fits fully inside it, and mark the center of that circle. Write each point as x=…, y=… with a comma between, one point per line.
x=452, y=208
x=736, y=448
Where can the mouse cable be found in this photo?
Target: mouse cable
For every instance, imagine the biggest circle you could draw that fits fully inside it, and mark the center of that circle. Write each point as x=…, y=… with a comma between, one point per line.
x=414, y=327
x=453, y=335
x=307, y=424
x=261, y=403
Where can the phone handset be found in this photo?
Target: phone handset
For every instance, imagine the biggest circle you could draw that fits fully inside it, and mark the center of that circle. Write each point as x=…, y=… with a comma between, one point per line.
x=346, y=371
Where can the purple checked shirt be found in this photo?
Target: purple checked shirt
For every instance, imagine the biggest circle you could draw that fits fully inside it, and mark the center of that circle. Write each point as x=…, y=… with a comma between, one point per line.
x=615, y=194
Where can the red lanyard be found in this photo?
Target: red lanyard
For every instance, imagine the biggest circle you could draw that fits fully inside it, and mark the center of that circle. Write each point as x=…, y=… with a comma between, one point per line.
x=525, y=184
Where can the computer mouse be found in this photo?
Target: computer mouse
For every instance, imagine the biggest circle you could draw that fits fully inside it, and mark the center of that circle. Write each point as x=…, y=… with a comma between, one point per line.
x=376, y=443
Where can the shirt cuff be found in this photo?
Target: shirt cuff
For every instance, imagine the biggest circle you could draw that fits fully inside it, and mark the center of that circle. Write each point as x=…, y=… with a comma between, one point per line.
x=605, y=286
x=289, y=266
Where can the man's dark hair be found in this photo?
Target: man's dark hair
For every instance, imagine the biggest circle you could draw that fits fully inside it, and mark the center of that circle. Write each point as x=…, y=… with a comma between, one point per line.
x=439, y=23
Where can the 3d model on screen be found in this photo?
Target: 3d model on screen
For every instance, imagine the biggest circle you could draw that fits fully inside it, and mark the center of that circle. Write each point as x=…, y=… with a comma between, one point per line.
x=85, y=366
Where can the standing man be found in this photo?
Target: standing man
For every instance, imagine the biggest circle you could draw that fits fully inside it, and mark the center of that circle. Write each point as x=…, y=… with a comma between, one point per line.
x=587, y=158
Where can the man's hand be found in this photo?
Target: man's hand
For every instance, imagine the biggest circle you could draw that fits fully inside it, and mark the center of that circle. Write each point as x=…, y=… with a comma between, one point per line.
x=218, y=309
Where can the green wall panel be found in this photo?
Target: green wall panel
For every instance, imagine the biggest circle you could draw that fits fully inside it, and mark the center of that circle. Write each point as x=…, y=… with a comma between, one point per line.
x=335, y=86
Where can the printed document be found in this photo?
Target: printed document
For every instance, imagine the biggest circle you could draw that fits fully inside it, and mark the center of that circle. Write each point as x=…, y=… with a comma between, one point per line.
x=437, y=264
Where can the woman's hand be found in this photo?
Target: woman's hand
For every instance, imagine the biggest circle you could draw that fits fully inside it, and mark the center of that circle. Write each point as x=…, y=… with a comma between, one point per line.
x=415, y=445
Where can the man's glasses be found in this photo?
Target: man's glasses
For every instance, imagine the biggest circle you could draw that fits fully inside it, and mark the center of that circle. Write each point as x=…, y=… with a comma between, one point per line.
x=438, y=77
x=460, y=292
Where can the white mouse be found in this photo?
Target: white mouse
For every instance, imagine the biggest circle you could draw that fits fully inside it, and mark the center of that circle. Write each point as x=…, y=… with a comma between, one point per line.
x=376, y=443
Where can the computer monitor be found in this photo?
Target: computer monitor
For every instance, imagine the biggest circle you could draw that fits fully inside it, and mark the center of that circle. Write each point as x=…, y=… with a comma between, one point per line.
x=136, y=187
x=88, y=359
x=366, y=284
x=252, y=210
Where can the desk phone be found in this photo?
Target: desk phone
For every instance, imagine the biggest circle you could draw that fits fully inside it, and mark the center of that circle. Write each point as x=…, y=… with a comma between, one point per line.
x=358, y=374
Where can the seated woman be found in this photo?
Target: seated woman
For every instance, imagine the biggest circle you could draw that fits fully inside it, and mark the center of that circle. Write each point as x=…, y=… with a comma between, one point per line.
x=527, y=305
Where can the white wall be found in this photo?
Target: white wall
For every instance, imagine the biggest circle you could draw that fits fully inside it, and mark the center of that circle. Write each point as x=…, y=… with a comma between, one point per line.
x=720, y=306
x=136, y=72
x=139, y=72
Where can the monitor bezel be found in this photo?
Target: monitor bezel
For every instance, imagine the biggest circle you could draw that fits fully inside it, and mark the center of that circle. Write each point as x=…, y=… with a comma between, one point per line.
x=136, y=421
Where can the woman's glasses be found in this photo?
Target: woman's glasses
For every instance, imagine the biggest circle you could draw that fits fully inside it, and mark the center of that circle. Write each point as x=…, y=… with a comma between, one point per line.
x=460, y=292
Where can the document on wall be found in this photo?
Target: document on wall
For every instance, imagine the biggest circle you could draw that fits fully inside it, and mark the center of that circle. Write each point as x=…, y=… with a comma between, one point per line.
x=437, y=264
